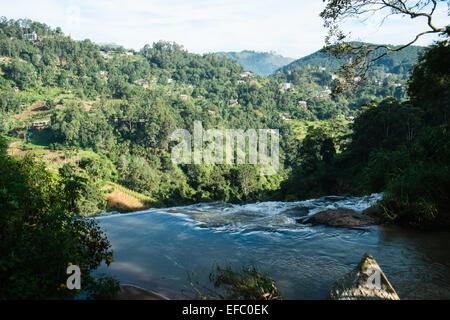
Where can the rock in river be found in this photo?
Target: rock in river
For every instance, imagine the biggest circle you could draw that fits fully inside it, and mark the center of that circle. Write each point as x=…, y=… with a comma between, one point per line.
x=341, y=218
x=366, y=282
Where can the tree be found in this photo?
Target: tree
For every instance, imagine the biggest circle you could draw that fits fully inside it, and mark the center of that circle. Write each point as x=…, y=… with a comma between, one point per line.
x=385, y=125
x=141, y=177
x=317, y=146
x=41, y=232
x=429, y=84
x=247, y=179
x=22, y=73
x=363, y=56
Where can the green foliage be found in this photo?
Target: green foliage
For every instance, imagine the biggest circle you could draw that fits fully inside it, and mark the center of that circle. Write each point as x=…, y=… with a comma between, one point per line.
x=384, y=126
x=396, y=62
x=75, y=126
x=41, y=232
x=85, y=195
x=10, y=102
x=399, y=148
x=104, y=287
x=22, y=73
x=317, y=168
x=316, y=146
x=315, y=85
x=429, y=84
x=248, y=283
x=140, y=177
x=416, y=178
x=246, y=178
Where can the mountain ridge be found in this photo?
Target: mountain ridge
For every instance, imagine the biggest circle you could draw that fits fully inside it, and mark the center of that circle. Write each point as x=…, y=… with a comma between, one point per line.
x=405, y=58
x=261, y=63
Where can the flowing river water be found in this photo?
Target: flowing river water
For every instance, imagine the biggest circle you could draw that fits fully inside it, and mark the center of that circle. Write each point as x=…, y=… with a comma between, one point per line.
x=160, y=249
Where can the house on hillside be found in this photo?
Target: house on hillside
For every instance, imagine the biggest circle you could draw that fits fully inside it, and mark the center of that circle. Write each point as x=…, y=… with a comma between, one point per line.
x=31, y=36
x=233, y=102
x=40, y=124
x=184, y=96
x=105, y=55
x=142, y=82
x=326, y=92
x=302, y=104
x=246, y=74
x=286, y=85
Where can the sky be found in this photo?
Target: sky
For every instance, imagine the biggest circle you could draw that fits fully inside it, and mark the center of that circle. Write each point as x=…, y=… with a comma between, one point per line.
x=291, y=28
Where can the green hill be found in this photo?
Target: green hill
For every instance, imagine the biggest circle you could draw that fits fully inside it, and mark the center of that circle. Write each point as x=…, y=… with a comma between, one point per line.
x=395, y=62
x=123, y=106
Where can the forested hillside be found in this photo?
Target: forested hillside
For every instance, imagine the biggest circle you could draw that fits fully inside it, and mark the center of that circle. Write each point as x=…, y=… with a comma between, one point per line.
x=104, y=114
x=261, y=63
x=399, y=148
x=397, y=62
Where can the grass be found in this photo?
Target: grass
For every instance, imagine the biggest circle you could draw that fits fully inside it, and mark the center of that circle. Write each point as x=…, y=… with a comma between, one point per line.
x=132, y=193
x=126, y=200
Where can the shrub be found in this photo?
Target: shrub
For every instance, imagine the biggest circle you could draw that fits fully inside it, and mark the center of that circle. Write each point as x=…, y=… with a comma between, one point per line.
x=245, y=284
x=419, y=181
x=41, y=232
x=104, y=287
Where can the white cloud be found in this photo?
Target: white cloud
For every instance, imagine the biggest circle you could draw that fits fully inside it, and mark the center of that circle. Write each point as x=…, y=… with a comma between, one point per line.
x=290, y=27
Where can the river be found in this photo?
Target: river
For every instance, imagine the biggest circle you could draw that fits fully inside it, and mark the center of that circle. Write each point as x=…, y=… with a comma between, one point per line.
x=159, y=249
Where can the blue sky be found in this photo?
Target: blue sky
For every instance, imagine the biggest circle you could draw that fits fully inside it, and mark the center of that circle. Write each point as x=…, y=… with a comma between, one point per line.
x=291, y=28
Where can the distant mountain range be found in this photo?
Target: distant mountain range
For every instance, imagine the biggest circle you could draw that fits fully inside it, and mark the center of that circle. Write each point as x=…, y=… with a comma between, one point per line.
x=395, y=62
x=266, y=63
x=262, y=63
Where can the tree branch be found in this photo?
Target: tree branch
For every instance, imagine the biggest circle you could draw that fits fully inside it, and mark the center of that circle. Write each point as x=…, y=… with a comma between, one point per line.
x=363, y=55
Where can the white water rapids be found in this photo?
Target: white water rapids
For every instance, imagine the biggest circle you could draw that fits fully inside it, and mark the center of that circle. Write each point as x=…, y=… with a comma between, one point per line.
x=158, y=249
